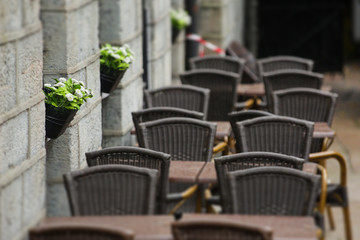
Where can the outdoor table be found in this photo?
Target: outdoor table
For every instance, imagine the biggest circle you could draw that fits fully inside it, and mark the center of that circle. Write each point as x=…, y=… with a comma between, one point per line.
x=258, y=89
x=157, y=227
x=185, y=171
x=208, y=173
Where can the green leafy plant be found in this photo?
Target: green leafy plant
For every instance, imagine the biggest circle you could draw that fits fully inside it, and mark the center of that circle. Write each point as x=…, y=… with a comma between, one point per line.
x=118, y=58
x=69, y=94
x=180, y=19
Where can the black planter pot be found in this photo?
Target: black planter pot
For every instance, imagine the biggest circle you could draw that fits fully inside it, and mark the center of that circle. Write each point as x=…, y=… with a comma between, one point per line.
x=57, y=120
x=174, y=34
x=110, y=78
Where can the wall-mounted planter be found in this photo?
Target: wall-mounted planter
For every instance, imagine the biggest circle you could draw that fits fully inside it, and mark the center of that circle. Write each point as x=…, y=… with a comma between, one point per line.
x=174, y=34
x=110, y=78
x=57, y=120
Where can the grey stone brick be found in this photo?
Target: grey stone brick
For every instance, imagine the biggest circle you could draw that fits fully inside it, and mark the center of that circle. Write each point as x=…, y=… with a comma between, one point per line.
x=37, y=129
x=161, y=71
x=117, y=108
x=7, y=77
x=211, y=21
x=137, y=65
x=63, y=154
x=31, y=11
x=30, y=64
x=11, y=203
x=10, y=15
x=178, y=58
x=157, y=8
x=34, y=192
x=177, y=4
x=93, y=80
x=90, y=132
x=160, y=38
x=113, y=141
x=13, y=141
x=56, y=199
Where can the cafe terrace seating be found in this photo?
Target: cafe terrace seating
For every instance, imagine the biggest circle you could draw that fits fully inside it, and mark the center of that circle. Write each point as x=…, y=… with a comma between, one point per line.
x=71, y=231
x=283, y=79
x=185, y=139
x=154, y=113
x=184, y=96
x=111, y=190
x=218, y=230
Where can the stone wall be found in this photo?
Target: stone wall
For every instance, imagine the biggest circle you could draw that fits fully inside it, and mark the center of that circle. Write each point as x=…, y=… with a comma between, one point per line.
x=71, y=49
x=221, y=21
x=178, y=49
x=121, y=23
x=159, y=30
x=22, y=117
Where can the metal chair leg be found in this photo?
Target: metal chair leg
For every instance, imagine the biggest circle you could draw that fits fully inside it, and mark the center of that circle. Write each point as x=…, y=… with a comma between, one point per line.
x=347, y=223
x=330, y=217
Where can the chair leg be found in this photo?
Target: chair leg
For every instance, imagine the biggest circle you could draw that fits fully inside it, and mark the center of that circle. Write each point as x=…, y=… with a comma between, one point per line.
x=347, y=221
x=330, y=217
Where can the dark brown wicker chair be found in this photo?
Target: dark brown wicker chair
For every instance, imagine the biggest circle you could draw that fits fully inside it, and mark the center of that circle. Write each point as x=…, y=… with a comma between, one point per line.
x=275, y=63
x=278, y=134
x=111, y=190
x=72, y=231
x=239, y=116
x=222, y=87
x=273, y=191
x=317, y=106
x=223, y=63
x=284, y=79
x=155, y=113
x=247, y=160
x=185, y=96
x=184, y=139
x=218, y=230
x=139, y=157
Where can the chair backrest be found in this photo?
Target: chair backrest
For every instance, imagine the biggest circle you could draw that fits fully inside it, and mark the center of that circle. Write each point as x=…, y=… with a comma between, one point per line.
x=78, y=231
x=241, y=161
x=238, y=116
x=275, y=63
x=139, y=157
x=273, y=191
x=284, y=79
x=285, y=135
x=223, y=63
x=111, y=190
x=222, y=87
x=183, y=138
x=211, y=229
x=155, y=113
x=185, y=96
x=308, y=104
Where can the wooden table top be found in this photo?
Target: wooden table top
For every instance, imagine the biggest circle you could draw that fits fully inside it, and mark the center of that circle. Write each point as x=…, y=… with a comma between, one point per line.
x=322, y=130
x=258, y=89
x=208, y=173
x=157, y=227
x=223, y=129
x=185, y=171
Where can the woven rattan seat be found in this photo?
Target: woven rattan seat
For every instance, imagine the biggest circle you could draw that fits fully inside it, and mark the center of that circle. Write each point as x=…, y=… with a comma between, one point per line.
x=111, y=190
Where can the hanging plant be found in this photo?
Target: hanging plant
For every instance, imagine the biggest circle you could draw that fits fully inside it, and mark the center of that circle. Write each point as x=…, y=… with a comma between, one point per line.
x=180, y=19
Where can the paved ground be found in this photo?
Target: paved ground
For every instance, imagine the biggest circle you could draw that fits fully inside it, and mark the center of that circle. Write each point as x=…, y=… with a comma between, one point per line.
x=347, y=142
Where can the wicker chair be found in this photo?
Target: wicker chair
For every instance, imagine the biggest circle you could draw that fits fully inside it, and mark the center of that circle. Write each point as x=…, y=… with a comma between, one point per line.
x=278, y=134
x=222, y=87
x=317, y=106
x=185, y=96
x=241, y=116
x=308, y=104
x=247, y=160
x=76, y=231
x=218, y=230
x=139, y=157
x=271, y=64
x=273, y=191
x=284, y=79
x=155, y=113
x=111, y=190
x=184, y=139
x=223, y=63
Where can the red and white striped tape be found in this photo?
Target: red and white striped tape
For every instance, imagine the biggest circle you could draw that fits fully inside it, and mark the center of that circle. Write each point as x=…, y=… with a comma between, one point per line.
x=209, y=45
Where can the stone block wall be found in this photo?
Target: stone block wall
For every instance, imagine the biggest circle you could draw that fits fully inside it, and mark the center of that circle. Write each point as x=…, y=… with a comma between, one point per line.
x=178, y=49
x=221, y=21
x=159, y=30
x=71, y=49
x=121, y=23
x=22, y=119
